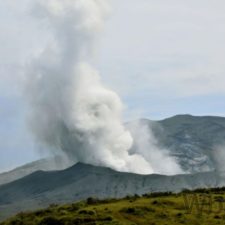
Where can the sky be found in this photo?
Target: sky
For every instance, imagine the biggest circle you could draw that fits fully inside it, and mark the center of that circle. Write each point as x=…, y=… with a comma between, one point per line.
x=162, y=57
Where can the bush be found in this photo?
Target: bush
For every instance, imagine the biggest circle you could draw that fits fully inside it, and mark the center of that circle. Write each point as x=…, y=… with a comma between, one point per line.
x=108, y=218
x=138, y=211
x=92, y=201
x=17, y=222
x=87, y=212
x=42, y=213
x=79, y=221
x=50, y=221
x=155, y=202
x=73, y=208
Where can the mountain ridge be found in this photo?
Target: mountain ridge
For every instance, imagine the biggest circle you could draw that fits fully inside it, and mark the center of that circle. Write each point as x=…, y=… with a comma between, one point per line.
x=190, y=139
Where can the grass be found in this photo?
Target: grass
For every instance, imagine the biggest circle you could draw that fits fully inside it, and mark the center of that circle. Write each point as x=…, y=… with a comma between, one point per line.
x=197, y=207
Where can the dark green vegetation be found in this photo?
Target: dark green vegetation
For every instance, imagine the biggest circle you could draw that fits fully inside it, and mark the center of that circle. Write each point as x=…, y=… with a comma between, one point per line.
x=152, y=209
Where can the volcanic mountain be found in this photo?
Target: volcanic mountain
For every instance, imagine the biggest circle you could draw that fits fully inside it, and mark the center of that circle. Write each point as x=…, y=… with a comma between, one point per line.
x=192, y=140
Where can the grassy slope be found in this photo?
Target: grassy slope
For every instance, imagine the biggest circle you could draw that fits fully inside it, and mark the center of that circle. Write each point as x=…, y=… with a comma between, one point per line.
x=148, y=210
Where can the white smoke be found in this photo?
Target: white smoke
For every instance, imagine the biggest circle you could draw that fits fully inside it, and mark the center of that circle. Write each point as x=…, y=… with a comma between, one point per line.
x=146, y=145
x=70, y=110
x=218, y=156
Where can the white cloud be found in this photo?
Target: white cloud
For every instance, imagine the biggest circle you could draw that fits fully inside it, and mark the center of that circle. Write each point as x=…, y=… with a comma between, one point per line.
x=166, y=47
x=173, y=47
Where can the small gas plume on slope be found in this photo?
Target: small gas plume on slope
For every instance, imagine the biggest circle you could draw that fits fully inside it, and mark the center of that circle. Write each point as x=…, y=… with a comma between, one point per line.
x=218, y=156
x=70, y=109
x=146, y=145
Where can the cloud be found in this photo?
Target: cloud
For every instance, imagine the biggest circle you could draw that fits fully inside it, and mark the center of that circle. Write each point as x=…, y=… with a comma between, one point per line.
x=169, y=48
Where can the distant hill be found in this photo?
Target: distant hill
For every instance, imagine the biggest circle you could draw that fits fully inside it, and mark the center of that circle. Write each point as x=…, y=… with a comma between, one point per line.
x=191, y=139
x=81, y=181
x=55, y=163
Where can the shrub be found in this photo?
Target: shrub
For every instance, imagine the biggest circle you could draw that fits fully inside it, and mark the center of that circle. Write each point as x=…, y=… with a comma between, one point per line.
x=73, y=208
x=108, y=218
x=17, y=222
x=50, y=221
x=138, y=211
x=87, y=212
x=155, y=202
x=92, y=201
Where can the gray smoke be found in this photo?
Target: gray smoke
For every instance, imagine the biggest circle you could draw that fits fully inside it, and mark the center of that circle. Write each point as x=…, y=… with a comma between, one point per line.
x=71, y=111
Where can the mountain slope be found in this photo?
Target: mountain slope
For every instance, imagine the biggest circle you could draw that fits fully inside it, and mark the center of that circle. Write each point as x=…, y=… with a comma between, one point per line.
x=193, y=140
x=81, y=181
x=157, y=209
x=55, y=163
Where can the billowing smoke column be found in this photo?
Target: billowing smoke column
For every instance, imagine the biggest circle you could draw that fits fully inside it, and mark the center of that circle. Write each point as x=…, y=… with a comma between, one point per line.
x=70, y=110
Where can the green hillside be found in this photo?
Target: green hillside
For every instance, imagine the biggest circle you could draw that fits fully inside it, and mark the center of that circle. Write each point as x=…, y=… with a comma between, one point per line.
x=199, y=207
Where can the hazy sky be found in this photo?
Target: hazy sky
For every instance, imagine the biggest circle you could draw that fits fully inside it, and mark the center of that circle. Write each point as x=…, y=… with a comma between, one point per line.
x=162, y=57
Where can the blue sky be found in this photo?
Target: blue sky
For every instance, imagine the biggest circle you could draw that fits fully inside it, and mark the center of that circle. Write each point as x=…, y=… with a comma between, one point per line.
x=162, y=57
